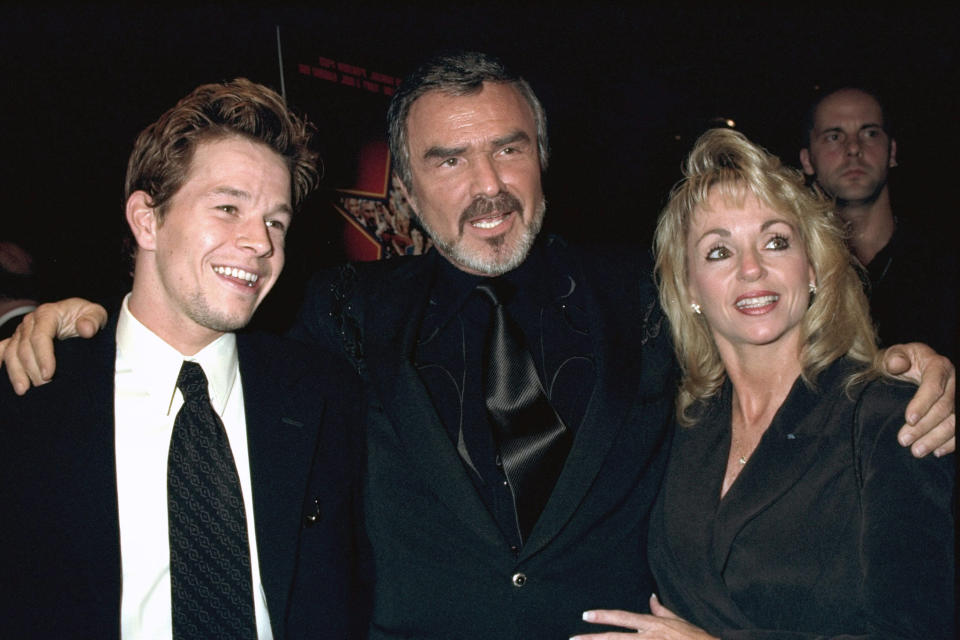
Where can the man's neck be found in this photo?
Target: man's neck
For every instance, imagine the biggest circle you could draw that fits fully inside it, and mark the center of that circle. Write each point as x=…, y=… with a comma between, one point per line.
x=187, y=338
x=871, y=226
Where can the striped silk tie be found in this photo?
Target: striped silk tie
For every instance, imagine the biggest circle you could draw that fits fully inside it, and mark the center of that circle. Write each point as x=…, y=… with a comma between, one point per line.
x=532, y=440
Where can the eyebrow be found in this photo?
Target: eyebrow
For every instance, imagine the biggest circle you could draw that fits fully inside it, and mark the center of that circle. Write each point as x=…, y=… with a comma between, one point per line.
x=725, y=233
x=516, y=136
x=868, y=125
x=443, y=152
x=240, y=194
x=713, y=232
x=446, y=152
x=772, y=221
x=230, y=191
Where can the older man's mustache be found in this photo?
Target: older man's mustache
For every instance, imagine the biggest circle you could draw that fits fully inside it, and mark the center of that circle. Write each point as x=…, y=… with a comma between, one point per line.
x=484, y=206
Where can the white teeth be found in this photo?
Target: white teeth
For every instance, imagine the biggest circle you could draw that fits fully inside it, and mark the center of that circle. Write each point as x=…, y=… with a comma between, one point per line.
x=489, y=223
x=752, y=303
x=239, y=274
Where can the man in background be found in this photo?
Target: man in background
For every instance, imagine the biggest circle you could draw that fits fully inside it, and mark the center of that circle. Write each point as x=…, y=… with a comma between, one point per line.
x=849, y=152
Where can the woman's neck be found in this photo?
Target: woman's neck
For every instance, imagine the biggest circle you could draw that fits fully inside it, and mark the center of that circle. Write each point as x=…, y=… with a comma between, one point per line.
x=761, y=378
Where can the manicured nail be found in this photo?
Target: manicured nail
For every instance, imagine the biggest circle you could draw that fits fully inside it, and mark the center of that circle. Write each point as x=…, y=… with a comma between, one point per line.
x=589, y=616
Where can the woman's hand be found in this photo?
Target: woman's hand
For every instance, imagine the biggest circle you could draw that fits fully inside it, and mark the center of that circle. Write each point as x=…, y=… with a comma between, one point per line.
x=661, y=624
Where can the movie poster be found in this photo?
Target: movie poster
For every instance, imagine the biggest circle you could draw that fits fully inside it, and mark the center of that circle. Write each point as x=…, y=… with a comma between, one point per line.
x=348, y=102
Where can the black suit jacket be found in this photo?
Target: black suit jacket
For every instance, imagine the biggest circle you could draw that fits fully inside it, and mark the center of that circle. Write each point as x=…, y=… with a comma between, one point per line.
x=59, y=536
x=443, y=568
x=831, y=529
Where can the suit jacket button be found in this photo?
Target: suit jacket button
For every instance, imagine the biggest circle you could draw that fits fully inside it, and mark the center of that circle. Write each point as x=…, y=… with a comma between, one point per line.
x=519, y=579
x=311, y=518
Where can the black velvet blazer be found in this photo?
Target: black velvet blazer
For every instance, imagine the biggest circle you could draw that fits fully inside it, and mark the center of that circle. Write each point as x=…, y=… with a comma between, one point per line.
x=443, y=567
x=832, y=528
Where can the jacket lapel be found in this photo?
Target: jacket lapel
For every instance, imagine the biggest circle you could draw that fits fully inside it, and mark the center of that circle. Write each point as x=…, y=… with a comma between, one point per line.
x=618, y=393
x=395, y=308
x=99, y=486
x=784, y=455
x=283, y=420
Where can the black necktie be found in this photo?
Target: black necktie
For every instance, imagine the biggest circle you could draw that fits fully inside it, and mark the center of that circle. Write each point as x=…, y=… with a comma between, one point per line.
x=210, y=580
x=532, y=440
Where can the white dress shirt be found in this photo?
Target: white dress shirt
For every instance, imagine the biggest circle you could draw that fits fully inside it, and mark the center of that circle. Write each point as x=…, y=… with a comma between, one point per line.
x=146, y=403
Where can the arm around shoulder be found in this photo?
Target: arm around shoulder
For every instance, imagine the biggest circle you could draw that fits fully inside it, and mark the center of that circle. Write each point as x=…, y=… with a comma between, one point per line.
x=28, y=355
x=930, y=416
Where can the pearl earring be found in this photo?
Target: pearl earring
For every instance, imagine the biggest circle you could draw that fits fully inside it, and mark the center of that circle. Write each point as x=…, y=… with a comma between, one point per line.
x=695, y=307
x=813, y=288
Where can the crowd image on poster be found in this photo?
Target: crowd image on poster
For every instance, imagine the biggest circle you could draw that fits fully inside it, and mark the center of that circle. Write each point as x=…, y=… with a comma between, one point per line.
x=391, y=224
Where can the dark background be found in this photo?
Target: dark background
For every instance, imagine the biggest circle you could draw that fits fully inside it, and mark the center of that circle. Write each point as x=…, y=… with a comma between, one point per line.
x=627, y=90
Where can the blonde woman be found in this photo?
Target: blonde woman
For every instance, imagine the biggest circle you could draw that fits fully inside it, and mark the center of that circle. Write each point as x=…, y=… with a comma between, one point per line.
x=788, y=509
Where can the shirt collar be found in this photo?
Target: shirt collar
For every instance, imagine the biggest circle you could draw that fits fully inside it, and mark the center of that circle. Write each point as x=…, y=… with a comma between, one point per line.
x=22, y=310
x=155, y=365
x=452, y=286
x=535, y=283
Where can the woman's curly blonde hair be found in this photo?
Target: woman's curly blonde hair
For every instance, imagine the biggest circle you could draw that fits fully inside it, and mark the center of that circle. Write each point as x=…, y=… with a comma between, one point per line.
x=837, y=322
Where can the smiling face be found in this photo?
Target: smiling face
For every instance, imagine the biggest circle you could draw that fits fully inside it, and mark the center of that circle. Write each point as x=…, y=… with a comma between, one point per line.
x=476, y=176
x=747, y=268
x=219, y=248
x=850, y=153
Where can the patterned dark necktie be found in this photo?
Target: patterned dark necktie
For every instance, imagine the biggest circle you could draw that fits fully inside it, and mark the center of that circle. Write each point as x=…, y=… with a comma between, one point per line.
x=532, y=440
x=210, y=580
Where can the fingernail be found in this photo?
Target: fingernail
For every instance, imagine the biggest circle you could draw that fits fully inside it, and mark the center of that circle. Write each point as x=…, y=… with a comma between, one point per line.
x=906, y=439
x=920, y=450
x=589, y=616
